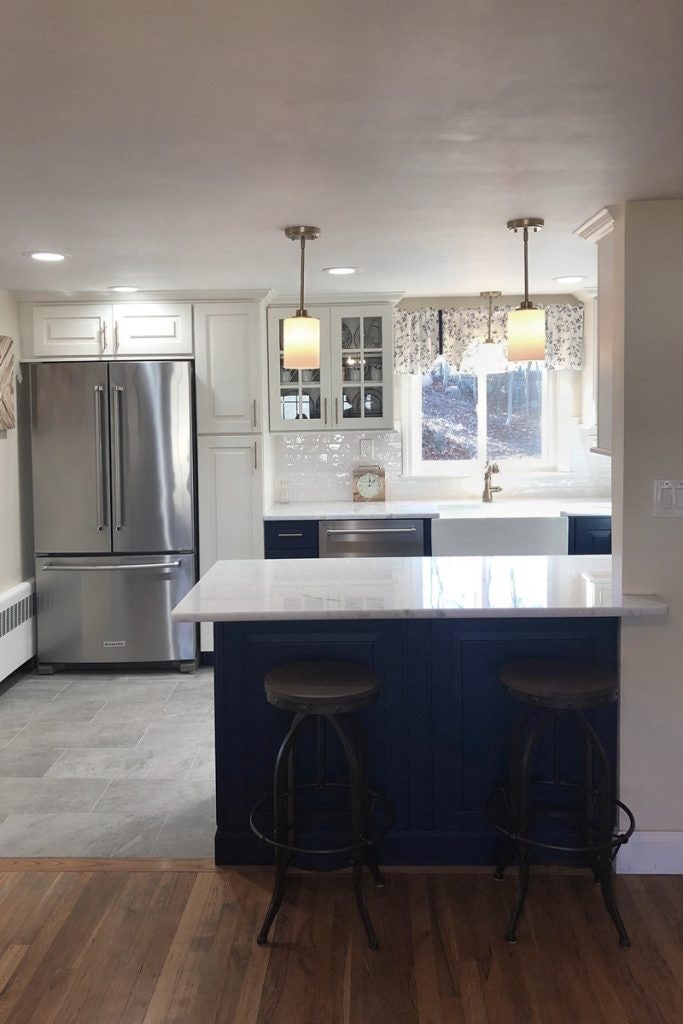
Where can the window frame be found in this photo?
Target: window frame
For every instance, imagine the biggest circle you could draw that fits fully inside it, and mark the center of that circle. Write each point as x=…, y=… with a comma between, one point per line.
x=551, y=433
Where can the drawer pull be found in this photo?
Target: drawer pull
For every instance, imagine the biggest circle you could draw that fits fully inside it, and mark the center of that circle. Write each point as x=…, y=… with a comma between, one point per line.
x=290, y=534
x=386, y=529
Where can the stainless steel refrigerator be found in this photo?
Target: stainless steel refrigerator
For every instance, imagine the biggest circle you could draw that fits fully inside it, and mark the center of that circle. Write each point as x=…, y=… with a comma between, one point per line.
x=114, y=511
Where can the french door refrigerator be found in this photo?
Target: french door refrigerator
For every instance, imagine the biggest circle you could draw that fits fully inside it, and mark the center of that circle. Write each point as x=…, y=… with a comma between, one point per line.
x=114, y=511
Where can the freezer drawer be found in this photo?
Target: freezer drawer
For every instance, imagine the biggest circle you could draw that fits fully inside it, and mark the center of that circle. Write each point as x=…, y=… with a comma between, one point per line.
x=113, y=610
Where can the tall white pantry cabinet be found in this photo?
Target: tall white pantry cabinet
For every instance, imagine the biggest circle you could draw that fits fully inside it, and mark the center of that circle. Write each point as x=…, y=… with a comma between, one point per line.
x=230, y=424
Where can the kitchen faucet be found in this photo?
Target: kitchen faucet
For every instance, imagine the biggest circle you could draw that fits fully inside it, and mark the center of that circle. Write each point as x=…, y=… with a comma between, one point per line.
x=491, y=467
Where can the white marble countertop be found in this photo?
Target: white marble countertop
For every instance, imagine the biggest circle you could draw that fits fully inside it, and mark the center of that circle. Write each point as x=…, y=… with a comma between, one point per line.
x=499, y=508
x=353, y=510
x=525, y=586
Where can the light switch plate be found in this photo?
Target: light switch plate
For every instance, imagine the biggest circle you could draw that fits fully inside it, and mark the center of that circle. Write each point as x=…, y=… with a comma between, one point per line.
x=668, y=501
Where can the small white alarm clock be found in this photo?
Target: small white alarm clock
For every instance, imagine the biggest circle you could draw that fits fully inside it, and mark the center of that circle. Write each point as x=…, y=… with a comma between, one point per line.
x=368, y=483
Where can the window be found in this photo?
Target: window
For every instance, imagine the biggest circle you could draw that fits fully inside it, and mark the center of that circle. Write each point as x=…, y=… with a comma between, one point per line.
x=457, y=419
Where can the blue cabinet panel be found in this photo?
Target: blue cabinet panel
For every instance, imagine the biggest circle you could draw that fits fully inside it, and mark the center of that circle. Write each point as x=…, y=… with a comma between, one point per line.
x=590, y=535
x=437, y=734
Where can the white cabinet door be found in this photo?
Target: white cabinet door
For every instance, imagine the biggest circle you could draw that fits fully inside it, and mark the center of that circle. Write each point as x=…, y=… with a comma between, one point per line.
x=228, y=367
x=153, y=329
x=83, y=329
x=361, y=348
x=299, y=399
x=230, y=504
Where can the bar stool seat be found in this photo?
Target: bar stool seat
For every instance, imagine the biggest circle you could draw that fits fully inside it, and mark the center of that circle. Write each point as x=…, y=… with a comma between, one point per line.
x=559, y=688
x=558, y=683
x=321, y=687
x=324, y=693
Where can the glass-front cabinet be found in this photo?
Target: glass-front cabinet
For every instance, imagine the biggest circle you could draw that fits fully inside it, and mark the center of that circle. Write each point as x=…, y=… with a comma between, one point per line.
x=353, y=389
x=362, y=372
x=299, y=399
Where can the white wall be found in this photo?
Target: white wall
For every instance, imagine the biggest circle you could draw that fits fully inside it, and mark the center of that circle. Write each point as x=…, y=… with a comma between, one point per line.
x=650, y=356
x=12, y=561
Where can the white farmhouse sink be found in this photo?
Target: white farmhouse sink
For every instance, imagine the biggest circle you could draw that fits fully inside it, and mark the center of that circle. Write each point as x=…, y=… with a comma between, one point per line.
x=479, y=529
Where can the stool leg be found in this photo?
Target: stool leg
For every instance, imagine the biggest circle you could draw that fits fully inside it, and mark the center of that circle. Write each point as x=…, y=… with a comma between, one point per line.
x=359, y=855
x=506, y=848
x=589, y=804
x=370, y=856
x=281, y=826
x=605, y=868
x=522, y=783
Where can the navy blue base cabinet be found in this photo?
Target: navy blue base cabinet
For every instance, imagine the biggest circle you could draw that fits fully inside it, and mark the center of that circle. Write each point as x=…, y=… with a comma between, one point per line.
x=590, y=535
x=298, y=538
x=437, y=734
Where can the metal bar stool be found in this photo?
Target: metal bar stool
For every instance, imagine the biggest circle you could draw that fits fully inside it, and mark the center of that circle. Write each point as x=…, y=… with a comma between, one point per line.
x=329, y=692
x=558, y=687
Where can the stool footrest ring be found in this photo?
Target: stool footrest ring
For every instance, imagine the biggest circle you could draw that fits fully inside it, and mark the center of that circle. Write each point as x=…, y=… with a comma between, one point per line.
x=367, y=842
x=614, y=843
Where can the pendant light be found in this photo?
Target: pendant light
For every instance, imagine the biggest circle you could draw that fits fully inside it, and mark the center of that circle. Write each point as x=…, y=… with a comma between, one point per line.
x=301, y=332
x=490, y=357
x=526, y=324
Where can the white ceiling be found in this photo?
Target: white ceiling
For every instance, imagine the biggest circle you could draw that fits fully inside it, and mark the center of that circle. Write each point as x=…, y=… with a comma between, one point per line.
x=166, y=143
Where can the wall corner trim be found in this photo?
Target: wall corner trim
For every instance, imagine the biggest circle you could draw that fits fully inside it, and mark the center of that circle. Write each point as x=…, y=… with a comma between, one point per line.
x=652, y=853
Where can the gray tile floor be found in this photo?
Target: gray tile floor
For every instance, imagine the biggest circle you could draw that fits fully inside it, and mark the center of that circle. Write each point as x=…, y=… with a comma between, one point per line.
x=104, y=765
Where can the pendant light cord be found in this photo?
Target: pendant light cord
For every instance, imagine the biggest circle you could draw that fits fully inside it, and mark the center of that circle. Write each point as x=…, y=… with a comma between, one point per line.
x=526, y=268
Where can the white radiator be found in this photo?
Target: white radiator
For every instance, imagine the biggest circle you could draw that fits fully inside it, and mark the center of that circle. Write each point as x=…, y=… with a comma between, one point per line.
x=17, y=627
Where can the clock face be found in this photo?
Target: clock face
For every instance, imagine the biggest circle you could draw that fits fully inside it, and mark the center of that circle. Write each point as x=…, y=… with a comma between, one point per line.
x=369, y=485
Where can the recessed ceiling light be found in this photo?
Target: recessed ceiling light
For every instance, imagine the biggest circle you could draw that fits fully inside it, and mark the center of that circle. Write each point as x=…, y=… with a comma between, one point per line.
x=48, y=257
x=340, y=270
x=123, y=288
x=569, y=279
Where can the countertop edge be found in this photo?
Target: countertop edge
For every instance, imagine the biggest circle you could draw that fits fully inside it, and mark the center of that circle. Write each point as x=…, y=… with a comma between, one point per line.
x=656, y=610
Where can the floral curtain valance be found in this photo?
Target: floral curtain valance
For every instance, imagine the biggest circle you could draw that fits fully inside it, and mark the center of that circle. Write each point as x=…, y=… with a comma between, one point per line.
x=416, y=335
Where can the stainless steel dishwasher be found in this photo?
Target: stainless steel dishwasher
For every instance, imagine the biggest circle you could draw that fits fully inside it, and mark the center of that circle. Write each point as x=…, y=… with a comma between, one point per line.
x=363, y=538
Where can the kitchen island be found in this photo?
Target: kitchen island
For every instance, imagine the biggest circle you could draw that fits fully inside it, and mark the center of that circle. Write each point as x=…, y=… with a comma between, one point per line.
x=436, y=630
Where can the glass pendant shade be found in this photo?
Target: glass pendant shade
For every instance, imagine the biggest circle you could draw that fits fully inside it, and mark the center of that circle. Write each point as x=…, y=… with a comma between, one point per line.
x=526, y=335
x=301, y=343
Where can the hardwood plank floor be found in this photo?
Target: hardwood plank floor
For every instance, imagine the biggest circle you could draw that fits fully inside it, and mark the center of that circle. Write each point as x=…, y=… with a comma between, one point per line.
x=155, y=942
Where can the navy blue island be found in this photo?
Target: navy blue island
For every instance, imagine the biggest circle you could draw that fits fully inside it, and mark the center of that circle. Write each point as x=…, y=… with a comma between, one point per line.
x=437, y=631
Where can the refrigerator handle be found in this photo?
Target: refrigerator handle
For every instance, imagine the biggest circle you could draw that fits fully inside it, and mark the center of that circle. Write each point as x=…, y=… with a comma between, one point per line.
x=99, y=468
x=117, y=455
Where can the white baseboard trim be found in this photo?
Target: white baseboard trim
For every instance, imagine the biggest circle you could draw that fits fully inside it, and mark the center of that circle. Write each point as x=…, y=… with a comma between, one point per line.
x=652, y=853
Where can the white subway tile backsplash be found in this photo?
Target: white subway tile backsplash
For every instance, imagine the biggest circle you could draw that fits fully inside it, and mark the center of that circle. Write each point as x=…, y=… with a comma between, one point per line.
x=319, y=467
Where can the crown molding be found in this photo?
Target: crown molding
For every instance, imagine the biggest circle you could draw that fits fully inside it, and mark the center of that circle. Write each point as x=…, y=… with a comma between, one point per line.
x=186, y=295
x=597, y=226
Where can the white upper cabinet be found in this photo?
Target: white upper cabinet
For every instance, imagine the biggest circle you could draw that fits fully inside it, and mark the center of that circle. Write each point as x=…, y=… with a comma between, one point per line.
x=228, y=367
x=83, y=329
x=153, y=329
x=299, y=399
x=605, y=228
x=361, y=345
x=353, y=389
x=121, y=329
